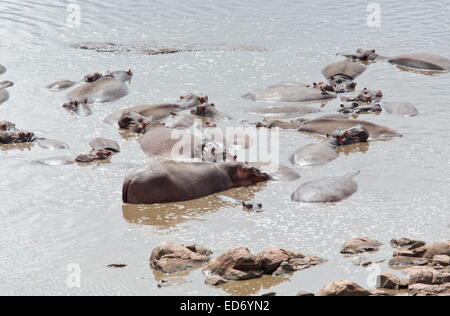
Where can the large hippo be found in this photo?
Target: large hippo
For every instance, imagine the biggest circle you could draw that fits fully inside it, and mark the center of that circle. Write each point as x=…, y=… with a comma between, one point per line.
x=420, y=61
x=401, y=108
x=290, y=92
x=160, y=111
x=169, y=181
x=4, y=95
x=170, y=143
x=341, y=76
x=9, y=134
x=324, y=152
x=328, y=124
x=327, y=190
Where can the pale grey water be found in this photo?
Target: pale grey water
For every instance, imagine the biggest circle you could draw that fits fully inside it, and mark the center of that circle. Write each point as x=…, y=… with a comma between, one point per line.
x=55, y=216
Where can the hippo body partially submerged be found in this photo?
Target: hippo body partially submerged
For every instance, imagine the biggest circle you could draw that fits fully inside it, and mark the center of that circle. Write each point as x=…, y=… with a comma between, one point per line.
x=401, y=108
x=345, y=69
x=290, y=92
x=327, y=190
x=328, y=124
x=61, y=85
x=169, y=181
x=324, y=152
x=100, y=91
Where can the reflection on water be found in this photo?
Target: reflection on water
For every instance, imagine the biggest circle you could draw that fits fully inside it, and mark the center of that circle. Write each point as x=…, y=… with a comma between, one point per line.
x=355, y=148
x=20, y=147
x=252, y=287
x=165, y=216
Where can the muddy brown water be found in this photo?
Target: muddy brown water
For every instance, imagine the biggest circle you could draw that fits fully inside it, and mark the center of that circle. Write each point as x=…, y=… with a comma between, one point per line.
x=52, y=217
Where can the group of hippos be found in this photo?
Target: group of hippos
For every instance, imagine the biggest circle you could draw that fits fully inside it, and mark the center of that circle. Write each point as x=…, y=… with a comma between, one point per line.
x=210, y=161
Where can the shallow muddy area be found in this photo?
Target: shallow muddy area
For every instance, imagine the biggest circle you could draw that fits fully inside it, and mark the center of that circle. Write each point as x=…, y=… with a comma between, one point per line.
x=52, y=217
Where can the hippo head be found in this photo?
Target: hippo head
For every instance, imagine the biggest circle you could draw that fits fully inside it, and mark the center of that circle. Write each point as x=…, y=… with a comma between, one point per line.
x=6, y=84
x=354, y=135
x=16, y=137
x=342, y=84
x=191, y=100
x=93, y=77
x=205, y=110
x=122, y=75
x=133, y=122
x=7, y=126
x=364, y=55
x=242, y=175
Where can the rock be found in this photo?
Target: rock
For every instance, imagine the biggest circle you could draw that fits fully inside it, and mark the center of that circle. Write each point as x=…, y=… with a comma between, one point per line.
x=430, y=277
x=303, y=293
x=343, y=288
x=430, y=250
x=362, y=262
x=169, y=257
x=241, y=264
x=269, y=294
x=360, y=245
x=429, y=290
x=443, y=260
x=215, y=280
x=407, y=243
x=401, y=261
x=236, y=264
x=379, y=293
x=391, y=282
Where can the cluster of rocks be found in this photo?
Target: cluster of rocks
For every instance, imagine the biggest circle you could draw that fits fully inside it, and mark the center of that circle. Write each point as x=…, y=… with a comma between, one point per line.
x=234, y=265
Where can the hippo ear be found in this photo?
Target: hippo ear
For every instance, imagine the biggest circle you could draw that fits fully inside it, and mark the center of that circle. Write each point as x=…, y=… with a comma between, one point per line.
x=182, y=97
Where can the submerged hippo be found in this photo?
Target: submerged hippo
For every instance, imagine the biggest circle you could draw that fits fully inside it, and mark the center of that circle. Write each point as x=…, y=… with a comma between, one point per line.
x=209, y=110
x=2, y=69
x=154, y=112
x=401, y=108
x=420, y=61
x=341, y=76
x=284, y=110
x=357, y=108
x=101, y=91
x=9, y=134
x=170, y=143
x=169, y=181
x=324, y=152
x=101, y=149
x=290, y=92
x=327, y=190
x=294, y=124
x=328, y=124
x=4, y=95
x=61, y=85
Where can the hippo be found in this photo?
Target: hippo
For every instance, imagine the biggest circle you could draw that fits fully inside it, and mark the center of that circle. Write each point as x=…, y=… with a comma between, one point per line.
x=170, y=181
x=61, y=85
x=327, y=190
x=2, y=69
x=155, y=112
x=324, y=152
x=176, y=120
x=328, y=124
x=290, y=92
x=4, y=95
x=102, y=149
x=209, y=110
x=356, y=108
x=54, y=161
x=294, y=124
x=401, y=108
x=341, y=76
x=119, y=75
x=101, y=91
x=419, y=61
x=284, y=110
x=175, y=144
x=77, y=108
x=9, y=134
x=155, y=48
x=365, y=96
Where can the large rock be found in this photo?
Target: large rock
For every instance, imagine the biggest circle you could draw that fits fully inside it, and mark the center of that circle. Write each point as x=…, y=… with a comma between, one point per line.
x=360, y=245
x=391, y=282
x=407, y=243
x=429, y=290
x=435, y=249
x=241, y=264
x=343, y=288
x=402, y=261
x=430, y=277
x=170, y=257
